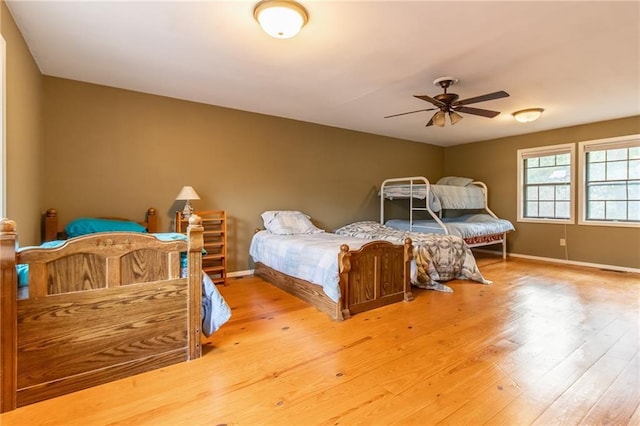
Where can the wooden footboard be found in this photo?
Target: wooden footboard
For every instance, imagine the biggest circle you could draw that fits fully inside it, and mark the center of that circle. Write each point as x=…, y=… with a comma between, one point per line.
x=377, y=274
x=101, y=307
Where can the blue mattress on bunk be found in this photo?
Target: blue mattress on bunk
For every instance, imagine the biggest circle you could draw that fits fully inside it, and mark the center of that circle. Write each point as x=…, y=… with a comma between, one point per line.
x=465, y=226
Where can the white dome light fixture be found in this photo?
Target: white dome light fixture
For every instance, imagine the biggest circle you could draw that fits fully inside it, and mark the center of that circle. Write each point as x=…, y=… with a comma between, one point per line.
x=280, y=18
x=527, y=115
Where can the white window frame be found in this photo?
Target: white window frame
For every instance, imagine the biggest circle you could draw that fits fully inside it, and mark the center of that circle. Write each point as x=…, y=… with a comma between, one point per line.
x=597, y=144
x=542, y=152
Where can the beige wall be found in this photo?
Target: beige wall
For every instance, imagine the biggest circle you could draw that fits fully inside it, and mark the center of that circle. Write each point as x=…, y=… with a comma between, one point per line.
x=117, y=152
x=494, y=162
x=24, y=140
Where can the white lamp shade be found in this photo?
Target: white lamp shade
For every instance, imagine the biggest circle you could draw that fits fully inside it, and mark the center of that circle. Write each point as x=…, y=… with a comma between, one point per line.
x=187, y=193
x=280, y=19
x=528, y=115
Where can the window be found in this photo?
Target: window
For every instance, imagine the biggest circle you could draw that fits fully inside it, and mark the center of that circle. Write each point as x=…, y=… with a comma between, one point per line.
x=610, y=181
x=545, y=184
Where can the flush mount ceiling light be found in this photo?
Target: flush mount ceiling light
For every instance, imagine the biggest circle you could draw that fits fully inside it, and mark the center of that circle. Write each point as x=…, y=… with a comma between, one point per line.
x=528, y=115
x=280, y=19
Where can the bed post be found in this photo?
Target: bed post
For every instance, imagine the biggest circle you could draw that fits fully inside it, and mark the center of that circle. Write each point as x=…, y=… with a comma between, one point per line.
x=152, y=221
x=194, y=260
x=408, y=257
x=50, y=225
x=8, y=316
x=344, y=267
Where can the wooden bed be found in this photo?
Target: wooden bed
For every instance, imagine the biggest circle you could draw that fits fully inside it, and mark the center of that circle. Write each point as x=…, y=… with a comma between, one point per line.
x=100, y=307
x=51, y=229
x=375, y=275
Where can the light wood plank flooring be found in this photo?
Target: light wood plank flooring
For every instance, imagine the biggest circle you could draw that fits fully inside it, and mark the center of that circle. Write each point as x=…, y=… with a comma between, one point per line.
x=544, y=344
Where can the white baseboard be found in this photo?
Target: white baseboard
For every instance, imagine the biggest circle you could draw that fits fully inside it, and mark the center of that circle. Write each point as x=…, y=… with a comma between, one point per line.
x=564, y=261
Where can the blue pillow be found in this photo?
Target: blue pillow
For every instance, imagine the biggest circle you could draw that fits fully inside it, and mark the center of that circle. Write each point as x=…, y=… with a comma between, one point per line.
x=23, y=275
x=85, y=225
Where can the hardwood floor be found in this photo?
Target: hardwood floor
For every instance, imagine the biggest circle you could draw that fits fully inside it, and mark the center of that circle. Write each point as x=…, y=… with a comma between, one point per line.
x=544, y=344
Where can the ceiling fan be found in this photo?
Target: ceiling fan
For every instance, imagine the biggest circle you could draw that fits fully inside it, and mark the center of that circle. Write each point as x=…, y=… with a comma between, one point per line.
x=448, y=103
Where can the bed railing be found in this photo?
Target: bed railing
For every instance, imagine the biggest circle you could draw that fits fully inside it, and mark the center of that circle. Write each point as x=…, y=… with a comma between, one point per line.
x=413, y=182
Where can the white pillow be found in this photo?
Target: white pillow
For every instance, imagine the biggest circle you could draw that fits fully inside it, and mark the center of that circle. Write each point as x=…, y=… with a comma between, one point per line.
x=288, y=222
x=454, y=181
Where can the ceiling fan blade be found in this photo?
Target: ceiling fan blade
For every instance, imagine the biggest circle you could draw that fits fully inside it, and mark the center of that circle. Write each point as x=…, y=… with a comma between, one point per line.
x=477, y=111
x=487, y=97
x=430, y=123
x=430, y=99
x=410, y=112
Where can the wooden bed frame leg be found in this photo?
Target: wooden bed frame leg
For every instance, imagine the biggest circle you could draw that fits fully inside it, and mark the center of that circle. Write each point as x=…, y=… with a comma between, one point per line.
x=408, y=257
x=8, y=317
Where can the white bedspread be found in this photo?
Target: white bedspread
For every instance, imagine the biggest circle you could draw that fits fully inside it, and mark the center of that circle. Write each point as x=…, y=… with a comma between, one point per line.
x=310, y=257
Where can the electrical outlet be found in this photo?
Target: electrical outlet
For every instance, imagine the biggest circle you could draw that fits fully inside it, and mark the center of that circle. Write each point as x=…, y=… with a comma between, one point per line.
x=563, y=242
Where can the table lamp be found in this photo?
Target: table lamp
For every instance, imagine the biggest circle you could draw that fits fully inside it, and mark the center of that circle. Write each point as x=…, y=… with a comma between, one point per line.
x=187, y=193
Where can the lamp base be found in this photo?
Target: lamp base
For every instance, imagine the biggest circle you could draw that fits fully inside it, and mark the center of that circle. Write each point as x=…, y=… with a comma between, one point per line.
x=187, y=211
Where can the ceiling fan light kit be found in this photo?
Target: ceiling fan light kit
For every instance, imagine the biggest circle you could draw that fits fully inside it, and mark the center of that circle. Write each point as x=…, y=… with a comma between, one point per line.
x=528, y=115
x=448, y=103
x=280, y=18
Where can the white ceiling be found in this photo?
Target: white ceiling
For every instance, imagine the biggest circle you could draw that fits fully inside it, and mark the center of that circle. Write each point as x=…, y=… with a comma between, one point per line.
x=356, y=61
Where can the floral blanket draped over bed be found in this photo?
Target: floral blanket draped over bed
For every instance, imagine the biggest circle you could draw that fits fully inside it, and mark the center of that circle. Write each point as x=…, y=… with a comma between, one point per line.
x=438, y=257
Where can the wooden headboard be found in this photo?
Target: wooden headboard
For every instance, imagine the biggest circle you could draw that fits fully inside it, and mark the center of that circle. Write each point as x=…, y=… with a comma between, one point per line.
x=51, y=230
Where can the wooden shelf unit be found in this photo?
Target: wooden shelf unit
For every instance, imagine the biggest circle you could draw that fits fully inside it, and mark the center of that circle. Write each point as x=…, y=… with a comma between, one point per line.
x=214, y=263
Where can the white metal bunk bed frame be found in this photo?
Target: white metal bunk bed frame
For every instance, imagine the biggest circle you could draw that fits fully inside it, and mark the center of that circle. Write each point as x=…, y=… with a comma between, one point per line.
x=415, y=181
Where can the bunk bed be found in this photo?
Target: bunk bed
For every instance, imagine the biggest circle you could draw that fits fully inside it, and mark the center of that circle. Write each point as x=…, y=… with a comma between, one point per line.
x=340, y=276
x=99, y=307
x=427, y=202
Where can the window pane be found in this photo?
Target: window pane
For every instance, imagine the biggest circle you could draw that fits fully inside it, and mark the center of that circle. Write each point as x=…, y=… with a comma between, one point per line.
x=617, y=170
x=595, y=210
x=559, y=174
x=634, y=169
x=562, y=209
x=532, y=193
x=547, y=209
x=547, y=193
x=563, y=193
x=549, y=161
x=634, y=191
x=531, y=162
x=596, y=171
x=611, y=191
x=634, y=211
x=532, y=210
x=616, y=210
x=617, y=154
x=596, y=156
x=563, y=159
x=634, y=152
